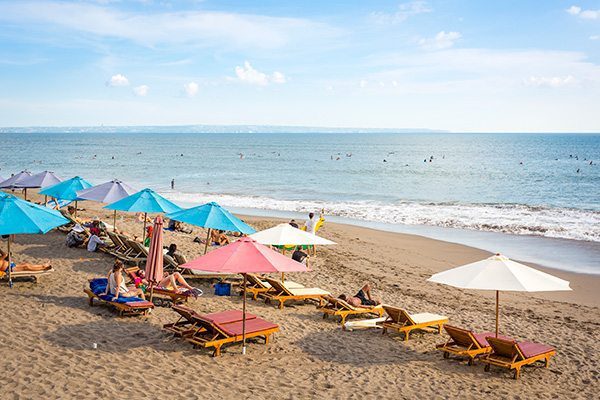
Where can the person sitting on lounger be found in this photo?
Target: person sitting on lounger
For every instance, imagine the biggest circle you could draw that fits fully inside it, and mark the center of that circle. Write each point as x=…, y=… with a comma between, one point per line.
x=172, y=252
x=362, y=298
x=75, y=237
x=20, y=267
x=218, y=238
x=116, y=284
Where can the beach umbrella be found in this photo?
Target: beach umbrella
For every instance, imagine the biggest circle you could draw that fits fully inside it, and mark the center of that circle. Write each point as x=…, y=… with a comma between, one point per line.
x=67, y=190
x=154, y=263
x=107, y=192
x=500, y=274
x=43, y=179
x=14, y=180
x=285, y=234
x=146, y=201
x=22, y=217
x=211, y=216
x=242, y=257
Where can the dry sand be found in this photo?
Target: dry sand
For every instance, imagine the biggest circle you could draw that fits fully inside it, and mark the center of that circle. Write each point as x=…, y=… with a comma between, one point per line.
x=47, y=331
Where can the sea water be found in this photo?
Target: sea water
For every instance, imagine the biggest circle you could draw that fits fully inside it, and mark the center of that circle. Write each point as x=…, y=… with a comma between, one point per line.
x=544, y=185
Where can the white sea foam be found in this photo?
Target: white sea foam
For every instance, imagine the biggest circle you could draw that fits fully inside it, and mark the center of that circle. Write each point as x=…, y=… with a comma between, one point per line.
x=565, y=223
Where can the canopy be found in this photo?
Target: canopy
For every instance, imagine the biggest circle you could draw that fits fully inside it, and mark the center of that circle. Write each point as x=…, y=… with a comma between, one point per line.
x=146, y=201
x=107, y=192
x=213, y=216
x=245, y=256
x=19, y=216
x=43, y=179
x=285, y=234
x=15, y=179
x=500, y=273
x=66, y=190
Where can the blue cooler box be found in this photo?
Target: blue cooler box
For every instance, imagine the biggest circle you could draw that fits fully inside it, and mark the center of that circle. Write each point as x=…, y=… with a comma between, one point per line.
x=222, y=289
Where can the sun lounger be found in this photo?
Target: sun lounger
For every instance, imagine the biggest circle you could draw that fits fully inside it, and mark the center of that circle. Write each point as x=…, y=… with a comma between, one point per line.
x=403, y=322
x=124, y=305
x=25, y=274
x=514, y=355
x=217, y=329
x=255, y=285
x=464, y=343
x=282, y=293
x=340, y=308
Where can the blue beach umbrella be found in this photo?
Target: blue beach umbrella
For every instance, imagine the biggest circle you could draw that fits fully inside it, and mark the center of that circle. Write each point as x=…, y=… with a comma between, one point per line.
x=108, y=192
x=146, y=201
x=67, y=190
x=22, y=217
x=212, y=216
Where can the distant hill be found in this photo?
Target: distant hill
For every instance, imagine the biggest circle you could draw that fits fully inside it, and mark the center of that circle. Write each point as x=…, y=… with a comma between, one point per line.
x=205, y=129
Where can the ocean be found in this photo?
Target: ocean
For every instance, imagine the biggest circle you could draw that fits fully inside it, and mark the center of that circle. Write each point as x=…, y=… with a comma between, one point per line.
x=533, y=185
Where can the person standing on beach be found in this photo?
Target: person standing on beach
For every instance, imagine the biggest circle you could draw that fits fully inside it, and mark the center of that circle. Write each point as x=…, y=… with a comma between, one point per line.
x=172, y=183
x=311, y=223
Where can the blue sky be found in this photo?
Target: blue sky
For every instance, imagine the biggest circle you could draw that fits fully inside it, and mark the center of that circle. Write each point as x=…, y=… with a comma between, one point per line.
x=455, y=65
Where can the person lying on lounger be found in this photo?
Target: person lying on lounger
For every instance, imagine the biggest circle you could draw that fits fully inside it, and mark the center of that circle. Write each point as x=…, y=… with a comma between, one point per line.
x=171, y=282
x=116, y=284
x=218, y=238
x=362, y=298
x=21, y=266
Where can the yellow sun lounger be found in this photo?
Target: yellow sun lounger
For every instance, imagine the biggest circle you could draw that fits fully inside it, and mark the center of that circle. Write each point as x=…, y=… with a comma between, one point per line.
x=403, y=322
x=340, y=308
x=255, y=285
x=281, y=293
x=465, y=344
x=26, y=274
x=514, y=355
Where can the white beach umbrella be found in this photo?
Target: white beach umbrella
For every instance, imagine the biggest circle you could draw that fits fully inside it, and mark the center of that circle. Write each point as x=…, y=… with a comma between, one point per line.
x=285, y=234
x=499, y=273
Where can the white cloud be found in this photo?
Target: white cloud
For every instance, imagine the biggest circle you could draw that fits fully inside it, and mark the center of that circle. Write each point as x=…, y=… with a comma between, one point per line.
x=595, y=37
x=141, y=90
x=248, y=74
x=191, y=89
x=118, y=80
x=554, y=82
x=278, y=77
x=405, y=10
x=584, y=14
x=363, y=83
x=202, y=28
x=442, y=40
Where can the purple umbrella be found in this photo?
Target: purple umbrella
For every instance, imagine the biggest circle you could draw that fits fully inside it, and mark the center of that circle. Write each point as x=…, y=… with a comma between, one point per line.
x=14, y=180
x=43, y=179
x=108, y=192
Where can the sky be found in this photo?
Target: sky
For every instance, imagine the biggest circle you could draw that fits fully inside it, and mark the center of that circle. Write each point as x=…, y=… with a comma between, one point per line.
x=468, y=66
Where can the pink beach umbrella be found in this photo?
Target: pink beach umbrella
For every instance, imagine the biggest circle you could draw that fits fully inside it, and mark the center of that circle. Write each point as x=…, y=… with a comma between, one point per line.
x=242, y=257
x=154, y=263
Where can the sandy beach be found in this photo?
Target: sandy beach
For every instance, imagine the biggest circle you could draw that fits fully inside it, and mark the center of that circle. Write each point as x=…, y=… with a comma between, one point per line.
x=48, y=330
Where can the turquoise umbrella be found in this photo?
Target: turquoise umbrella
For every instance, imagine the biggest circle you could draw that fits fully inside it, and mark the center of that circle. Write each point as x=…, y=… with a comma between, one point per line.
x=212, y=216
x=21, y=217
x=146, y=201
x=67, y=190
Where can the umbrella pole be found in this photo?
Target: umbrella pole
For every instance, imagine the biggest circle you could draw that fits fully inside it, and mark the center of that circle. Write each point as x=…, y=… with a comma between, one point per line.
x=244, y=319
x=497, y=309
x=115, y=221
x=10, y=283
x=46, y=201
x=282, y=277
x=25, y=191
x=75, y=207
x=207, y=239
x=144, y=233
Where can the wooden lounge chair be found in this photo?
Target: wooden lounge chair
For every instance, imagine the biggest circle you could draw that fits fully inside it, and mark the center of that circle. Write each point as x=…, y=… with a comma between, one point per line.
x=124, y=305
x=218, y=329
x=340, y=308
x=34, y=275
x=255, y=285
x=186, y=323
x=465, y=344
x=281, y=293
x=403, y=322
x=514, y=355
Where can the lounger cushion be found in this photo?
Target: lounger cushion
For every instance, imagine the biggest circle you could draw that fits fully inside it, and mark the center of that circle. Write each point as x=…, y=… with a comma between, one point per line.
x=480, y=337
x=530, y=349
x=227, y=317
x=423, y=318
x=308, y=291
x=252, y=326
x=98, y=287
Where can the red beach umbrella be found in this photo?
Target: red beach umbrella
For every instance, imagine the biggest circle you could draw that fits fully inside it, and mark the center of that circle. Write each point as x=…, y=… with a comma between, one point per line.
x=154, y=263
x=242, y=257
